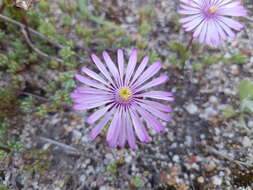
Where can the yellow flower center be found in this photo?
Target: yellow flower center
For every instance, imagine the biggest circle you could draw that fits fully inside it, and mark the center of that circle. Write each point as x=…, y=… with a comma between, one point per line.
x=212, y=10
x=125, y=93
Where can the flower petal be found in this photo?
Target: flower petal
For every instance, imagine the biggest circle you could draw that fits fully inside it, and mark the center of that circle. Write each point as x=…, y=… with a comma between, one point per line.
x=89, y=106
x=155, y=82
x=121, y=65
x=111, y=66
x=90, y=82
x=157, y=105
x=102, y=68
x=88, y=90
x=139, y=127
x=112, y=131
x=122, y=135
x=131, y=65
x=151, y=121
x=94, y=75
x=130, y=133
x=140, y=69
x=97, y=114
x=150, y=72
x=99, y=127
x=156, y=112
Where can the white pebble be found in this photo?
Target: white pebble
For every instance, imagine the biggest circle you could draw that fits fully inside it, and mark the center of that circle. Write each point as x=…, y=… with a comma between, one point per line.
x=192, y=108
x=176, y=158
x=246, y=142
x=216, y=180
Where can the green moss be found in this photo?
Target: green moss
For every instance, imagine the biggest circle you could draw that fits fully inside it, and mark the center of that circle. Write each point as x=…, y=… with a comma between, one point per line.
x=182, y=54
x=39, y=161
x=174, y=19
x=44, y=6
x=238, y=59
x=112, y=168
x=245, y=89
x=212, y=59
x=136, y=181
x=47, y=28
x=3, y=187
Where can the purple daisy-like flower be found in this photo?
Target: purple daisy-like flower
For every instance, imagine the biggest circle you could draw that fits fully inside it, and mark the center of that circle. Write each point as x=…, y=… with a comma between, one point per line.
x=209, y=19
x=126, y=105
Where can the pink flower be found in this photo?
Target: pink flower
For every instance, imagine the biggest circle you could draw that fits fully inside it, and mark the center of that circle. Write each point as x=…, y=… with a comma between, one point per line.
x=209, y=21
x=122, y=93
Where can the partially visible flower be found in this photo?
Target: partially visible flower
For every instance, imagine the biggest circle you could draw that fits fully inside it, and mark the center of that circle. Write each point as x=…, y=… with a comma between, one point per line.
x=209, y=19
x=122, y=93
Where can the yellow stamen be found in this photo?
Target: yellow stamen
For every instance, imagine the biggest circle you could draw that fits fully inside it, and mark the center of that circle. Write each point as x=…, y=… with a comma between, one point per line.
x=125, y=93
x=212, y=10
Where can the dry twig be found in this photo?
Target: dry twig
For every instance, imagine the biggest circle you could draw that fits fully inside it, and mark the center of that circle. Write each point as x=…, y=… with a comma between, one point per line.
x=39, y=52
x=64, y=146
x=216, y=152
x=22, y=26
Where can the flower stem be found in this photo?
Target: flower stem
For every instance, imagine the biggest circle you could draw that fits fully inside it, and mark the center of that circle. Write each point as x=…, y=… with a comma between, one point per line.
x=189, y=44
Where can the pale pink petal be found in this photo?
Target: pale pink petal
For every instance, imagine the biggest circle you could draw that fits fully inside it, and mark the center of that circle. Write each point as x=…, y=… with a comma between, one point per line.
x=115, y=130
x=154, y=82
x=156, y=112
x=88, y=90
x=193, y=24
x=89, y=106
x=122, y=135
x=99, y=127
x=130, y=133
x=157, y=105
x=102, y=68
x=222, y=34
x=231, y=23
x=188, y=12
x=202, y=35
x=236, y=11
x=111, y=66
x=157, y=95
x=140, y=130
x=113, y=126
x=89, y=99
x=140, y=69
x=150, y=72
x=98, y=114
x=94, y=75
x=228, y=31
x=151, y=121
x=121, y=65
x=131, y=65
x=90, y=82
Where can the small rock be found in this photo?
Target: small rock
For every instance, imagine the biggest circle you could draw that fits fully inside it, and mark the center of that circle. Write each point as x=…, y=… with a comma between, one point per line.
x=192, y=108
x=76, y=135
x=234, y=70
x=128, y=159
x=109, y=157
x=216, y=180
x=201, y=179
x=250, y=123
x=176, y=158
x=210, y=166
x=246, y=142
x=213, y=100
x=105, y=188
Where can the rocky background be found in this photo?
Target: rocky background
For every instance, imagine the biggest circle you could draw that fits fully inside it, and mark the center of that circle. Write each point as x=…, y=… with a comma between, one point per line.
x=44, y=144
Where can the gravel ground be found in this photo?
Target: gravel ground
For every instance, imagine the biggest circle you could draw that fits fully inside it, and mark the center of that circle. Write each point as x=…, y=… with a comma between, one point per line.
x=199, y=150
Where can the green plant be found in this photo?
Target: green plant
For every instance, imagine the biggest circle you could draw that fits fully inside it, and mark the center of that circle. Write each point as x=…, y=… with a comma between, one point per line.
x=245, y=92
x=3, y=187
x=181, y=52
x=136, y=181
